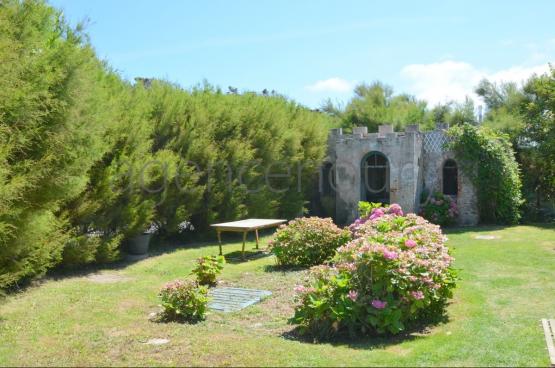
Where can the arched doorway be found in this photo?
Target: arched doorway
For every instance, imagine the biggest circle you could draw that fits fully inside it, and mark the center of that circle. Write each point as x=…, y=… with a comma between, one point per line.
x=450, y=178
x=375, y=178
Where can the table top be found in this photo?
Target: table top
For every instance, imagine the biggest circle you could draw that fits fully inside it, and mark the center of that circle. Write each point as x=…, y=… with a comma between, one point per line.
x=249, y=224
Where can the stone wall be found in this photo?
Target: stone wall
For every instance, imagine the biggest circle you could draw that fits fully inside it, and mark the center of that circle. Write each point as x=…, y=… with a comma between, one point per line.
x=413, y=165
x=403, y=151
x=434, y=157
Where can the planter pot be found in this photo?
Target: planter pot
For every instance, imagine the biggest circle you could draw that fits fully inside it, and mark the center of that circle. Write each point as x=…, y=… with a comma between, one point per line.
x=139, y=244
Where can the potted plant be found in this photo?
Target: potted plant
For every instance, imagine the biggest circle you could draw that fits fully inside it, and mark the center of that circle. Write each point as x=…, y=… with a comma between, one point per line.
x=138, y=245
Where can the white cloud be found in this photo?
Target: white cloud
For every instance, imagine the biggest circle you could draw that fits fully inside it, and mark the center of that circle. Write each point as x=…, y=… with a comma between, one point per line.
x=454, y=80
x=517, y=73
x=334, y=84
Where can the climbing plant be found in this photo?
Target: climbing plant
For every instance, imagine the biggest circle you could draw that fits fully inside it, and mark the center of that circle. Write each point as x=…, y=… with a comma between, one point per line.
x=487, y=158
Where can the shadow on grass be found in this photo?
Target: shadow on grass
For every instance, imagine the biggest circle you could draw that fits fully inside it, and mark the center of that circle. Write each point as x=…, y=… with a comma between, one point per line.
x=473, y=229
x=415, y=331
x=489, y=227
x=158, y=246
x=161, y=318
x=283, y=269
x=236, y=257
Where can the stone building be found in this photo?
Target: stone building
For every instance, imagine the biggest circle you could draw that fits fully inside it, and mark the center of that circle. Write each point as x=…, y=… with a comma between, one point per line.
x=393, y=167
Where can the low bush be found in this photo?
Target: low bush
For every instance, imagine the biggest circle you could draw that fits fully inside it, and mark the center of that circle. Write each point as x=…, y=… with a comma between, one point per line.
x=440, y=210
x=397, y=271
x=89, y=248
x=307, y=241
x=79, y=251
x=183, y=301
x=208, y=268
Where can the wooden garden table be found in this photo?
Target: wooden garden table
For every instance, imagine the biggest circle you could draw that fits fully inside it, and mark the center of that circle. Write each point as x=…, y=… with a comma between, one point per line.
x=244, y=226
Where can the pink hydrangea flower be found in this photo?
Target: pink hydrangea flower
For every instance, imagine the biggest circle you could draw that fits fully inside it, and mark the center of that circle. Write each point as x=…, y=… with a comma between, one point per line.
x=418, y=295
x=395, y=209
x=300, y=289
x=378, y=304
x=376, y=213
x=409, y=243
x=389, y=254
x=353, y=295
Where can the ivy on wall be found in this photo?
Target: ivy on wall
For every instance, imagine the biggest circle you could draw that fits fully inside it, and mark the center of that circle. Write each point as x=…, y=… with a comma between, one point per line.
x=488, y=159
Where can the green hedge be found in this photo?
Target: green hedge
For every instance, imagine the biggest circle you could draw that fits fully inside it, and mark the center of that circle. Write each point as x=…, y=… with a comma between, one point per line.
x=88, y=159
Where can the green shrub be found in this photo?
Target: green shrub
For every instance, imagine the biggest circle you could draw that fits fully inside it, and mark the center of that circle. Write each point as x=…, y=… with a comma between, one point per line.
x=307, y=241
x=396, y=272
x=208, y=268
x=80, y=250
x=109, y=248
x=183, y=301
x=366, y=208
x=488, y=159
x=440, y=209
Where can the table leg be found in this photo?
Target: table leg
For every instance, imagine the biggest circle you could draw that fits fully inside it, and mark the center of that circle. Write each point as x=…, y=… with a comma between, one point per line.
x=256, y=232
x=244, y=239
x=219, y=240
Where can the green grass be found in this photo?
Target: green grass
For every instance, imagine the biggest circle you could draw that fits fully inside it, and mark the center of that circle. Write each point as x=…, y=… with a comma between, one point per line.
x=507, y=285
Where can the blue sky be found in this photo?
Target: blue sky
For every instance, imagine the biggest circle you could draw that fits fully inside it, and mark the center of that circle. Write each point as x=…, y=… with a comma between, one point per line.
x=312, y=50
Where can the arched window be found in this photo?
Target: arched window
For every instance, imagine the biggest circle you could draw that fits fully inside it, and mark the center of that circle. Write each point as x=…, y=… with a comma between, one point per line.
x=375, y=178
x=450, y=178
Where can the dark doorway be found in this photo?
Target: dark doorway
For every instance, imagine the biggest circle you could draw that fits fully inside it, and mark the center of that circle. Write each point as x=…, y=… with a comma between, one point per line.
x=450, y=178
x=327, y=179
x=375, y=178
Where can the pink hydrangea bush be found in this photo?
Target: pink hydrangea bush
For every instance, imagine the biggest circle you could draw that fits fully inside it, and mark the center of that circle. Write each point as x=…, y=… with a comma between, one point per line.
x=440, y=209
x=307, y=241
x=183, y=301
x=397, y=271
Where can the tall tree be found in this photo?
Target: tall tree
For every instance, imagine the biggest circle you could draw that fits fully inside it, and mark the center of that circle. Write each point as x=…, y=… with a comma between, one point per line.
x=503, y=107
x=375, y=104
x=538, y=144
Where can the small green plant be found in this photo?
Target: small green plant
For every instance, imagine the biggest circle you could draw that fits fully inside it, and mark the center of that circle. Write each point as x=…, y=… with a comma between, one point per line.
x=307, y=241
x=183, y=301
x=366, y=208
x=208, y=268
x=440, y=209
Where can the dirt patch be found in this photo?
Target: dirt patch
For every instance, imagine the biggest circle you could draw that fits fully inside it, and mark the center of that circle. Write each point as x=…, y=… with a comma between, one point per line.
x=157, y=341
x=487, y=237
x=107, y=278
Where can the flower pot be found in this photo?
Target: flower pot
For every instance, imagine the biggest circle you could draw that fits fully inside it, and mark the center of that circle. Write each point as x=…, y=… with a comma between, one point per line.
x=139, y=244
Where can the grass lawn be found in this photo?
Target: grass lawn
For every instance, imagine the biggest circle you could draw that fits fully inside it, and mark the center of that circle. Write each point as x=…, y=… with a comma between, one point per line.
x=507, y=286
